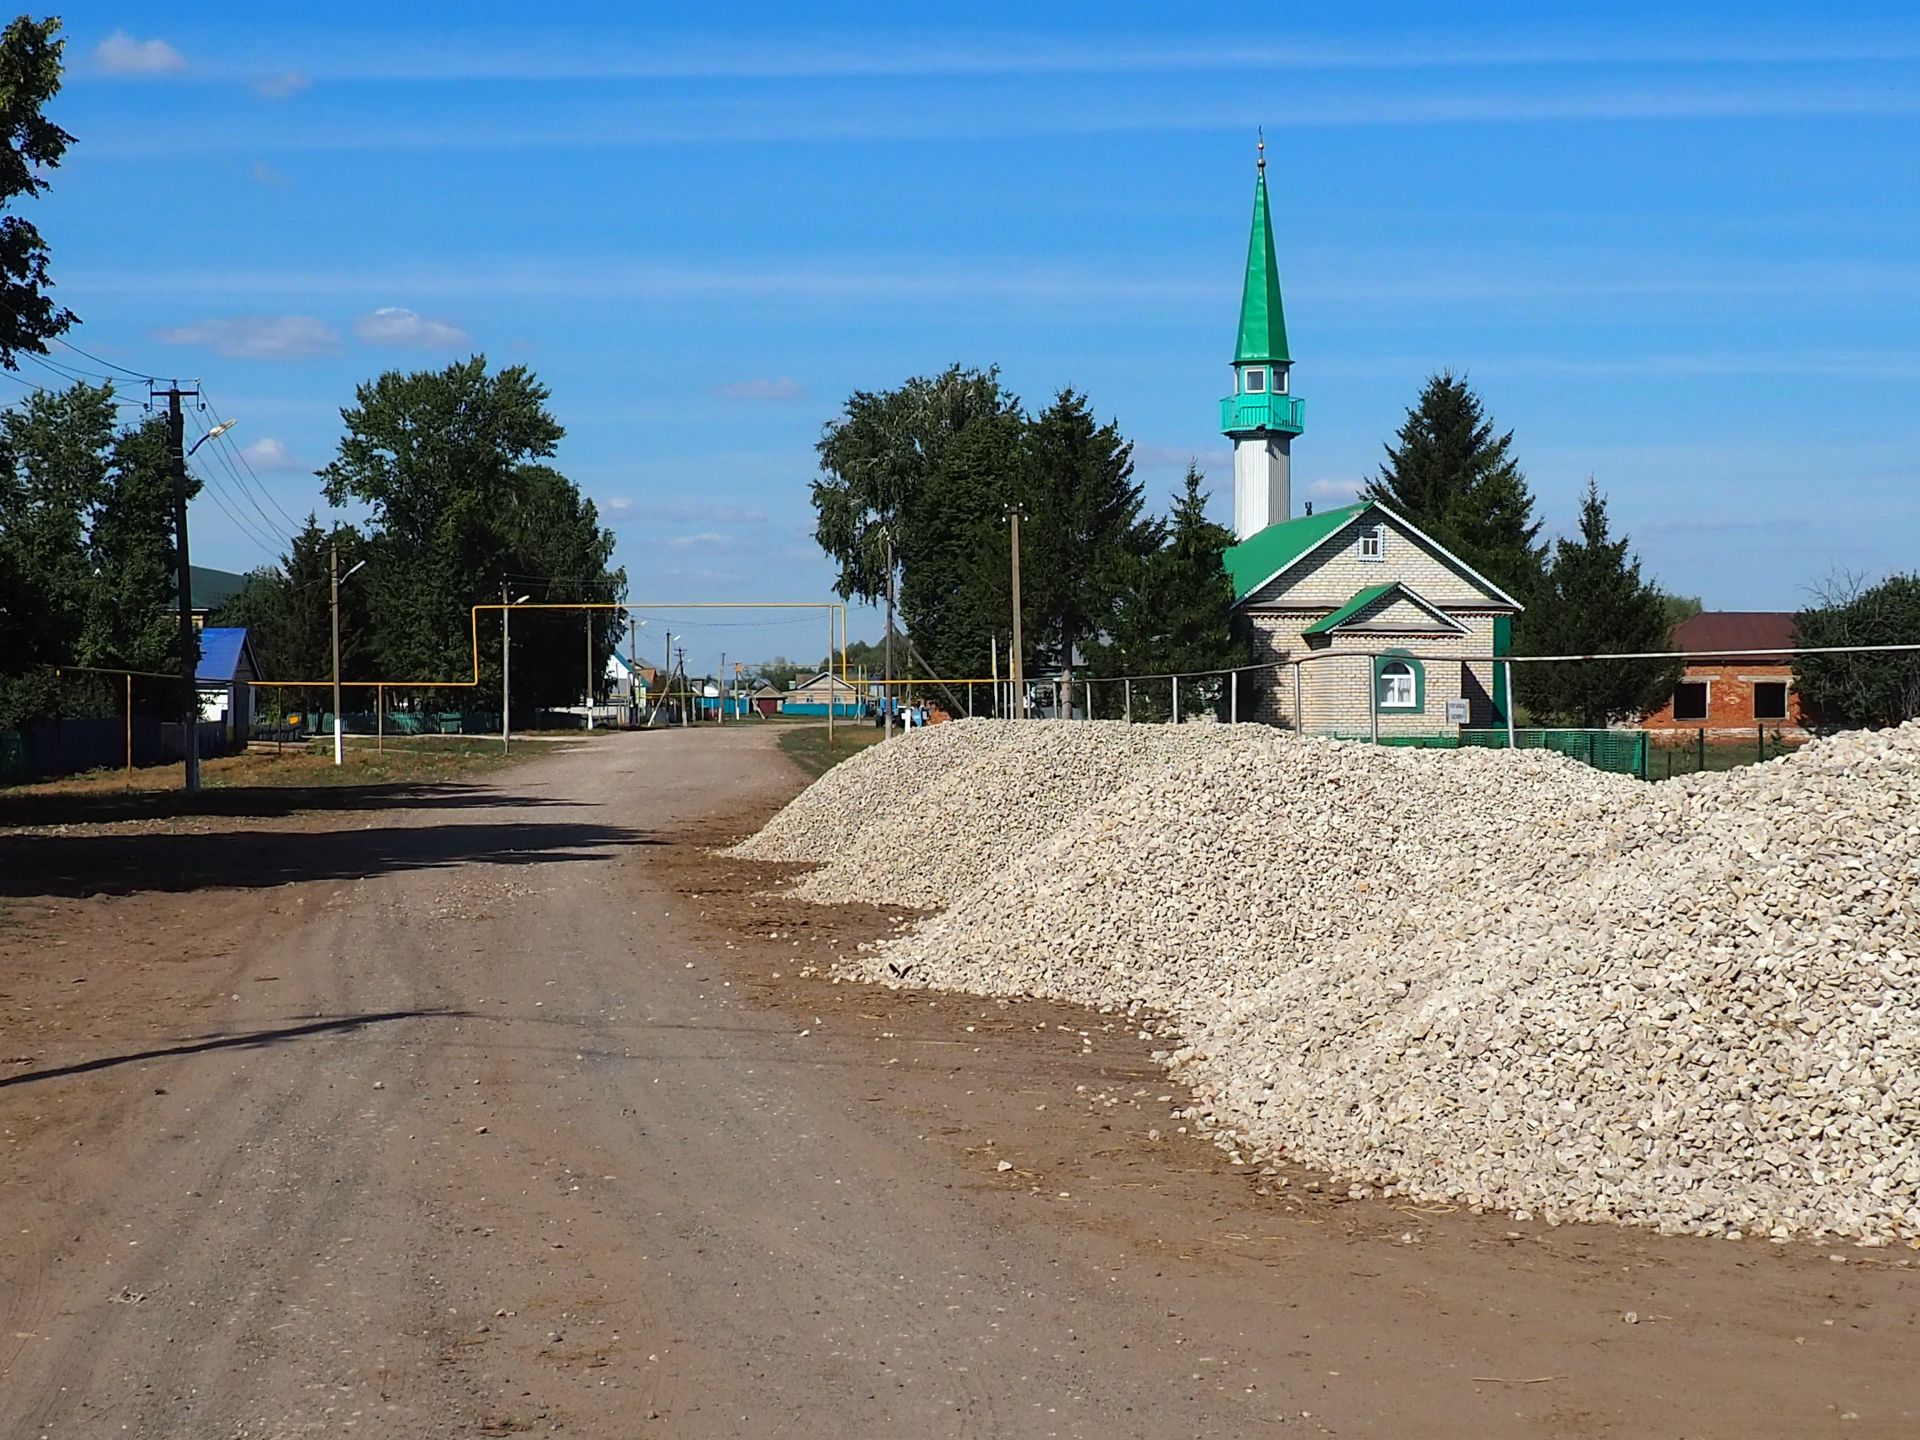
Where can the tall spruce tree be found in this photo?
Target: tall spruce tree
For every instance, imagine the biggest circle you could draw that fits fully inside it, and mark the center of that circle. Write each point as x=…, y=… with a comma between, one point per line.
x=288, y=610
x=1175, y=614
x=1593, y=601
x=1453, y=477
x=1083, y=525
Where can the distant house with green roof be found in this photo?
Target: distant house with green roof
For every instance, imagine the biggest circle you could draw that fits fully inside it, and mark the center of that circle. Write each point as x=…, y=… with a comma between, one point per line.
x=1372, y=623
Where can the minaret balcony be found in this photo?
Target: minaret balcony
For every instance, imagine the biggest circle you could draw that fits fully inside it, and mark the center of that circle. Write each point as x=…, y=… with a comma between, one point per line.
x=1277, y=414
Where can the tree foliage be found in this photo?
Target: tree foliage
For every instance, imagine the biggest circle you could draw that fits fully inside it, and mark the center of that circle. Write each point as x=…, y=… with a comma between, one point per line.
x=287, y=610
x=1174, y=615
x=86, y=556
x=452, y=465
x=1593, y=601
x=1863, y=689
x=936, y=466
x=1453, y=477
x=30, y=145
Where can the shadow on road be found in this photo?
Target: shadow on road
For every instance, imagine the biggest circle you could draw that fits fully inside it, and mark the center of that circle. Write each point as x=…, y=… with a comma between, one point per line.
x=245, y=1040
x=248, y=802
x=78, y=866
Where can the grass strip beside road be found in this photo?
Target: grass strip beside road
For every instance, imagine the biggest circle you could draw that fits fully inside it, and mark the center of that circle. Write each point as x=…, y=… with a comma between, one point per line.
x=154, y=792
x=806, y=745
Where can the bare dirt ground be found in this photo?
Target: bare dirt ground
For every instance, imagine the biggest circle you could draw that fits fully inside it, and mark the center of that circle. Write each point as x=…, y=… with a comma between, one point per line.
x=504, y=1108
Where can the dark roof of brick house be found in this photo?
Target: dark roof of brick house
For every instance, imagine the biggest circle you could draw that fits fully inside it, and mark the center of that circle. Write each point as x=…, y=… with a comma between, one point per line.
x=1719, y=631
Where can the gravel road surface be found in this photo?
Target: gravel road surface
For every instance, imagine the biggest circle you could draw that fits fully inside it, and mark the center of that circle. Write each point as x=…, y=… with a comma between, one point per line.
x=509, y=1110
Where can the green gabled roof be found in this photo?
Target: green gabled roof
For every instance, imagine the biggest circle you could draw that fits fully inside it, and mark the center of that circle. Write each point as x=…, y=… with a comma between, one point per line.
x=1260, y=557
x=1352, y=608
x=1263, y=323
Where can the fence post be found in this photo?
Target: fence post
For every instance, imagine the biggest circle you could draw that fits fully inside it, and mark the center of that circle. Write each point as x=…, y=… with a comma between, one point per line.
x=1299, y=715
x=1760, y=735
x=1509, y=665
x=129, y=731
x=1233, y=697
x=1373, y=697
x=1176, y=699
x=1701, y=762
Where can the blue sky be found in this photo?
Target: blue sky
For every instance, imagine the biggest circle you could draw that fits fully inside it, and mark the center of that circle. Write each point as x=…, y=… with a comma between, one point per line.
x=1677, y=253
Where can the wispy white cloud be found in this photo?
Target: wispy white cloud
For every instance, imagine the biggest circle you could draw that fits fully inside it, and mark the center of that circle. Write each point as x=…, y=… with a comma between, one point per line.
x=394, y=325
x=680, y=512
x=281, y=85
x=121, y=54
x=533, y=56
x=712, y=541
x=653, y=123
x=1334, y=492
x=267, y=453
x=782, y=389
x=265, y=174
x=256, y=337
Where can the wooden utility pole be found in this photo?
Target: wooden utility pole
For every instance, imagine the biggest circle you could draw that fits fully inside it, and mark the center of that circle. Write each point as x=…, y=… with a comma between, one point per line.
x=183, y=582
x=1015, y=665
x=886, y=693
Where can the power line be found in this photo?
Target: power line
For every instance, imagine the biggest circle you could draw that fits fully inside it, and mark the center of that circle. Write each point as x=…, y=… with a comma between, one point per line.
x=241, y=455
x=135, y=374
x=239, y=484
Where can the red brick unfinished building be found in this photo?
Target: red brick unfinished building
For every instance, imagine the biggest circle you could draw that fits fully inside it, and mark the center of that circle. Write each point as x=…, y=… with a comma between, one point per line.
x=1734, y=692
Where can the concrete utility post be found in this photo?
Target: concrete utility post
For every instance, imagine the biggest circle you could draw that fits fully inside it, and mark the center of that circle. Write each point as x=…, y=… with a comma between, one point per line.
x=506, y=660
x=589, y=706
x=183, y=581
x=339, y=726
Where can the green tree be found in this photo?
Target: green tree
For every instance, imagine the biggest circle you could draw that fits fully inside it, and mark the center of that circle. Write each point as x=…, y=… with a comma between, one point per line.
x=1863, y=689
x=1593, y=601
x=1084, y=531
x=930, y=470
x=288, y=610
x=53, y=483
x=30, y=145
x=133, y=619
x=451, y=465
x=1453, y=477
x=1175, y=615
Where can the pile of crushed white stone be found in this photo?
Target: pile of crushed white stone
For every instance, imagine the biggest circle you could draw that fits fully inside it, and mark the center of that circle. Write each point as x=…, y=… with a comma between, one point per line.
x=1472, y=977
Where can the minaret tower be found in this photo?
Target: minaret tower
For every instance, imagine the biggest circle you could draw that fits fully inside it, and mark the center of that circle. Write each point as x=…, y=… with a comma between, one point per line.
x=1262, y=415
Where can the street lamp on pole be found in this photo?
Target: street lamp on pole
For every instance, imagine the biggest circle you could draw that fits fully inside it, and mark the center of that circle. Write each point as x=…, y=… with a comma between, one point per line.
x=339, y=724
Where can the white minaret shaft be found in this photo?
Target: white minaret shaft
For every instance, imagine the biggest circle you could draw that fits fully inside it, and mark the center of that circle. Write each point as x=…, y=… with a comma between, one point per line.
x=1262, y=482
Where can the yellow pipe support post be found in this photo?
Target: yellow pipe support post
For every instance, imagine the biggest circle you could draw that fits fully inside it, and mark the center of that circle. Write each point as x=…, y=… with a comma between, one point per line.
x=833, y=701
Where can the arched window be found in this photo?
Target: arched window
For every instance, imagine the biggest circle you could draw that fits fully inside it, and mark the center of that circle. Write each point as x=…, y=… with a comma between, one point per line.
x=1399, y=683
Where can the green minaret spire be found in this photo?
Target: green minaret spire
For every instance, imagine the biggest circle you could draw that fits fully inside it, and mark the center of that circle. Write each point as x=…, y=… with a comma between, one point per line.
x=1263, y=323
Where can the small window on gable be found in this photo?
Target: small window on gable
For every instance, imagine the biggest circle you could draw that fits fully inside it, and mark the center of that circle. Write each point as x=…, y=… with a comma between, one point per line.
x=1770, y=700
x=1256, y=381
x=1373, y=543
x=1690, y=700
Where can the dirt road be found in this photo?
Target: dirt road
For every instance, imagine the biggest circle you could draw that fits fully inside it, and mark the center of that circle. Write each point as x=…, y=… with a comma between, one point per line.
x=508, y=1110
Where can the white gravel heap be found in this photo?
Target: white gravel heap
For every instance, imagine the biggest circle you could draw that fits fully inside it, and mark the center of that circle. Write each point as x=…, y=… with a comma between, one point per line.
x=1472, y=977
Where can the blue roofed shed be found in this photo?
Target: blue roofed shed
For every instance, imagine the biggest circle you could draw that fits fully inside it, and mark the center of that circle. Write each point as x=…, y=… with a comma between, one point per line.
x=226, y=667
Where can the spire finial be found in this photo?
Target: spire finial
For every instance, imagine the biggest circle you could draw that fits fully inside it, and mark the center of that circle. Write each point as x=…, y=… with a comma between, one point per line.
x=1261, y=148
